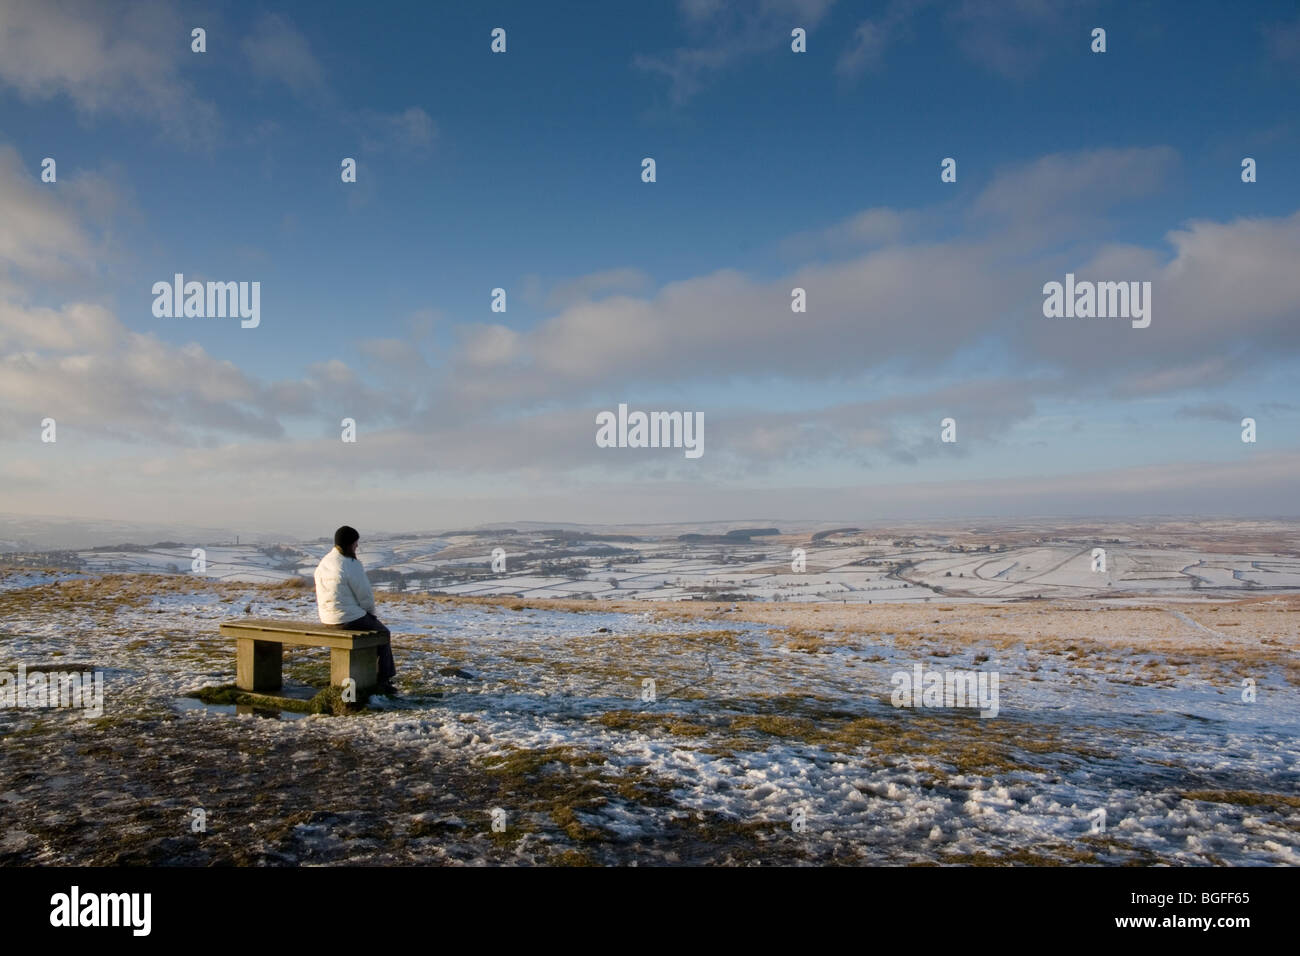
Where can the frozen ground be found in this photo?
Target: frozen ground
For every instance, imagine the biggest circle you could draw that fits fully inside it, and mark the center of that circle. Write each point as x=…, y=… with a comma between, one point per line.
x=771, y=737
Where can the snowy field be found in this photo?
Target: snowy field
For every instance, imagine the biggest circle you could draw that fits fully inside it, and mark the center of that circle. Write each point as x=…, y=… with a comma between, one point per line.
x=771, y=736
x=853, y=569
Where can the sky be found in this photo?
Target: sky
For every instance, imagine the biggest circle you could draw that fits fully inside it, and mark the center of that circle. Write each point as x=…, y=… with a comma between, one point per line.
x=522, y=171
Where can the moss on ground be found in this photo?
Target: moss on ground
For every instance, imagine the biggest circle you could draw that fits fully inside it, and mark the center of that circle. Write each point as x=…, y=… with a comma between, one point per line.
x=1244, y=798
x=650, y=722
x=965, y=744
x=556, y=793
x=327, y=701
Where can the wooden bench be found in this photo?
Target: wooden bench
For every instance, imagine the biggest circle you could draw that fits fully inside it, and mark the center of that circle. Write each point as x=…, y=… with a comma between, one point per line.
x=259, y=652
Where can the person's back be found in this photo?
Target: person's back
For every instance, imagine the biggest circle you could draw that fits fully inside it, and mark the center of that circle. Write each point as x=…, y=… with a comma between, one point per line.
x=342, y=590
x=344, y=598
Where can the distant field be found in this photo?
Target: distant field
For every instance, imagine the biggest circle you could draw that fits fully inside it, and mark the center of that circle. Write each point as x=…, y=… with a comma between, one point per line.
x=1193, y=563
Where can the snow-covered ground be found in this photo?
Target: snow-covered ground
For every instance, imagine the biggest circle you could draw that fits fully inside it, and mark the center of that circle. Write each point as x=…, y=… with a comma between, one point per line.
x=767, y=739
x=855, y=569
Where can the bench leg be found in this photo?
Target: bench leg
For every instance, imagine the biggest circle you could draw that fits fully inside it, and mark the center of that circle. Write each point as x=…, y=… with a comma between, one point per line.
x=258, y=665
x=362, y=665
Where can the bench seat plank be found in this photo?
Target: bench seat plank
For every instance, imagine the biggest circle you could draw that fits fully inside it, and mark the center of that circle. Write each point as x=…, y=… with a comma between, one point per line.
x=301, y=632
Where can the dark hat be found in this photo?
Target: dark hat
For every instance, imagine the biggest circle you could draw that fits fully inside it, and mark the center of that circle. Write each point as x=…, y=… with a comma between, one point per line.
x=346, y=537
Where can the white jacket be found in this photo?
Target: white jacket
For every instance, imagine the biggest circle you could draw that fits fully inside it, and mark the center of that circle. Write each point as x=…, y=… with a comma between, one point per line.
x=342, y=590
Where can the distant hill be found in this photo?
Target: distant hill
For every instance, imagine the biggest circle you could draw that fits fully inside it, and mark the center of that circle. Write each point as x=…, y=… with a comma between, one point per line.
x=47, y=532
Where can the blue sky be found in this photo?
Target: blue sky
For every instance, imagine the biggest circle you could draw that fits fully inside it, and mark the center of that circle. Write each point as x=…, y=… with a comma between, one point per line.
x=522, y=171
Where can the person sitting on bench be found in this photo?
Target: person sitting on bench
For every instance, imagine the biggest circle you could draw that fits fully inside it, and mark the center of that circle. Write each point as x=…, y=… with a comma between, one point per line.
x=345, y=600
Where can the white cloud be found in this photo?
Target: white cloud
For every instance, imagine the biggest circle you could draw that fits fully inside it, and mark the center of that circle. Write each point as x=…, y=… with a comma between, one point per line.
x=1226, y=301
x=76, y=326
x=41, y=233
x=487, y=347
x=1011, y=38
x=871, y=38
x=81, y=366
x=866, y=51
x=412, y=129
x=724, y=34
x=1049, y=187
x=922, y=302
x=277, y=51
x=119, y=59
x=587, y=287
x=866, y=228
x=414, y=126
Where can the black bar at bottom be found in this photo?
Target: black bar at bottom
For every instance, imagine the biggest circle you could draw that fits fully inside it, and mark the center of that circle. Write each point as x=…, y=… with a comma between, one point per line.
x=372, y=904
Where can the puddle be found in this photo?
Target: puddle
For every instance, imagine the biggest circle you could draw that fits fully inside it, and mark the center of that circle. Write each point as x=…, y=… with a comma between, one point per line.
x=184, y=704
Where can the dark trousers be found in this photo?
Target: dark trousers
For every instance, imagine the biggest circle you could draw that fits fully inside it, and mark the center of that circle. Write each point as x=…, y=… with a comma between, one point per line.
x=387, y=669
